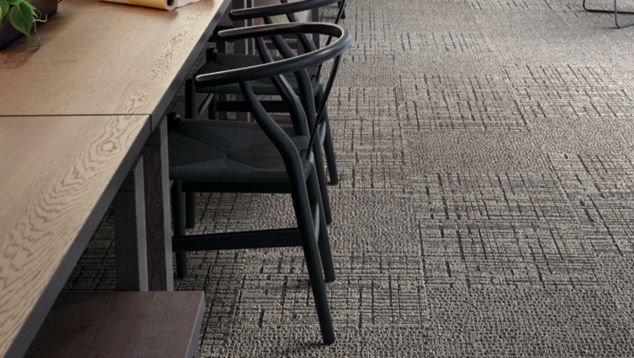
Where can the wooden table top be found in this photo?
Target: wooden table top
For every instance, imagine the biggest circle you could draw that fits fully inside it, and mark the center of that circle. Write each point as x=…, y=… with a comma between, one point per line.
x=58, y=178
x=105, y=58
x=74, y=117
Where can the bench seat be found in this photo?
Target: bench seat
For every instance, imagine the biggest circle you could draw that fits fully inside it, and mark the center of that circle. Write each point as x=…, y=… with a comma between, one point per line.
x=122, y=324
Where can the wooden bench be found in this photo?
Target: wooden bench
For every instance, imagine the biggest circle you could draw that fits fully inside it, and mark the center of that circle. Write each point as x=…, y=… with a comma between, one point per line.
x=122, y=324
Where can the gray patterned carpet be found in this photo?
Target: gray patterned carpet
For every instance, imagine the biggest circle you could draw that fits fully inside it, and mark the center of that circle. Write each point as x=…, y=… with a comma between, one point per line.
x=487, y=198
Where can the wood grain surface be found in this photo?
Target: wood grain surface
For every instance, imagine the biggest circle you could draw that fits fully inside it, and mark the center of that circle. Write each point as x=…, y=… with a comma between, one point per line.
x=102, y=80
x=122, y=324
x=58, y=177
x=106, y=58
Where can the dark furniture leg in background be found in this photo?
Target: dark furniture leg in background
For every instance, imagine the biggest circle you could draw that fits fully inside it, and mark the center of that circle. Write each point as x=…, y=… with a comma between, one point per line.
x=180, y=215
x=343, y=11
x=129, y=229
x=143, y=223
x=157, y=209
x=616, y=13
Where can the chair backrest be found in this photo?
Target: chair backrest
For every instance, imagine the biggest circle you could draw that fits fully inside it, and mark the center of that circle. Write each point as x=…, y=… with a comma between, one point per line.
x=290, y=10
x=302, y=105
x=286, y=8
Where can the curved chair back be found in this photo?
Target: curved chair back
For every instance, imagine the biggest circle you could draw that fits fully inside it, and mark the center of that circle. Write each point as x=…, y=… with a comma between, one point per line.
x=302, y=106
x=266, y=13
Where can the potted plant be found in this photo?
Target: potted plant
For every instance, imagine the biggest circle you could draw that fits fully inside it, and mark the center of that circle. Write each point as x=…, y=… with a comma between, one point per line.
x=19, y=17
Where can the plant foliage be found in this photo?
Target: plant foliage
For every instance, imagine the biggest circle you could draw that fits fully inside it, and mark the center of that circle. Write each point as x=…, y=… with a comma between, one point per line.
x=21, y=14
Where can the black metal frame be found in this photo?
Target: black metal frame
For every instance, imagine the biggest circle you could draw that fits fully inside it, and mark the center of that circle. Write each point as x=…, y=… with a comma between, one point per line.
x=615, y=11
x=284, y=8
x=311, y=232
x=214, y=105
x=342, y=8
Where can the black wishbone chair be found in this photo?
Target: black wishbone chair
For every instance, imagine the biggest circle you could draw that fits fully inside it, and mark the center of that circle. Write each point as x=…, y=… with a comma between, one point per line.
x=264, y=157
x=221, y=61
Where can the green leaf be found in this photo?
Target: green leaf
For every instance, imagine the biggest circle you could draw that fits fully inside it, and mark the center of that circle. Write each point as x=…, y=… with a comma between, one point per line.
x=4, y=9
x=21, y=17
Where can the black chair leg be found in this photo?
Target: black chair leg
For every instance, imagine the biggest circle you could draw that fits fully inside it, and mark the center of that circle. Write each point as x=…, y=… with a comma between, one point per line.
x=212, y=111
x=305, y=225
x=181, y=265
x=191, y=107
x=323, y=187
x=329, y=148
x=331, y=160
x=178, y=214
x=614, y=11
x=324, y=242
x=342, y=5
x=190, y=210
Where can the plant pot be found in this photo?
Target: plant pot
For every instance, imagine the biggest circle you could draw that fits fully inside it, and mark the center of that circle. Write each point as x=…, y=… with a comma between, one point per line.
x=8, y=34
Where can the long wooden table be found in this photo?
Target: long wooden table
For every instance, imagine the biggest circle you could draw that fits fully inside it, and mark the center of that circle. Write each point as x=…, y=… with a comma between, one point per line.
x=59, y=174
x=81, y=118
x=99, y=58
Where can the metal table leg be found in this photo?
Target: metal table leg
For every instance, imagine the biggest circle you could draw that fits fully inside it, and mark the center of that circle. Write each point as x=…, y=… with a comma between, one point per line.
x=615, y=11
